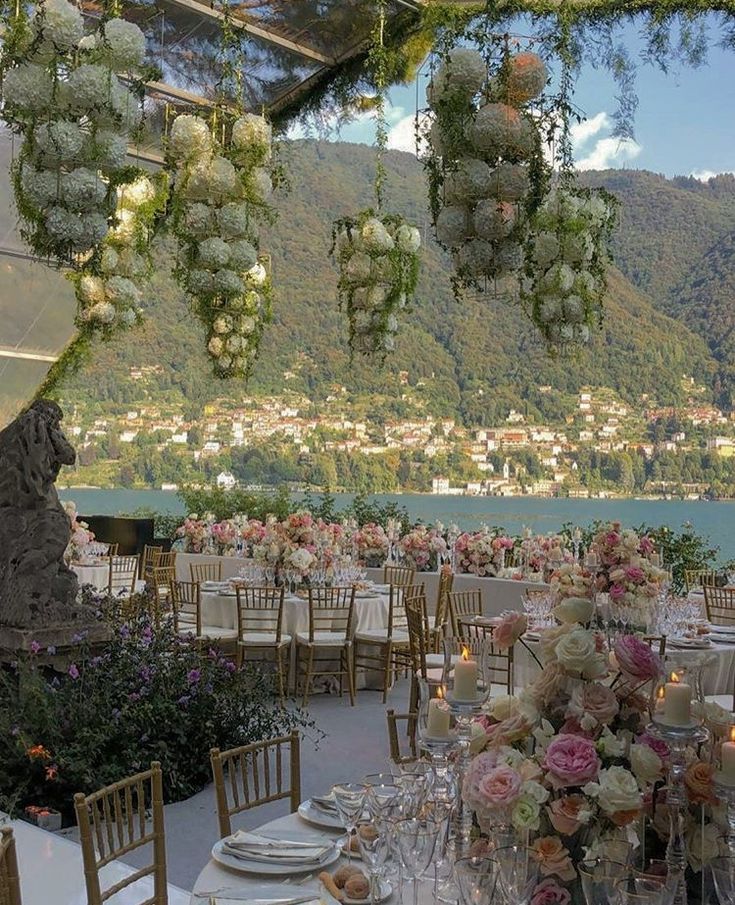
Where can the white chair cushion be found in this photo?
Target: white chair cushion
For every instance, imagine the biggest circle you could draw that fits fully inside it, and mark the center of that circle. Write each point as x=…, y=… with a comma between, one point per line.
x=381, y=635
x=322, y=639
x=216, y=631
x=436, y=661
x=264, y=639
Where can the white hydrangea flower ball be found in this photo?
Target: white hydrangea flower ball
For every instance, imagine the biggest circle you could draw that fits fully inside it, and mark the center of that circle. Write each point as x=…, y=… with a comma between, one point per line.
x=130, y=263
x=562, y=205
x=128, y=317
x=402, y=300
x=359, y=298
x=133, y=194
x=463, y=70
x=109, y=260
x=82, y=190
x=357, y=268
x=545, y=249
x=227, y=282
x=94, y=228
x=342, y=241
x=242, y=255
x=124, y=43
x=109, y=148
x=474, y=258
x=497, y=130
x=222, y=177
x=550, y=309
x=252, y=301
x=196, y=187
x=469, y=182
x=88, y=42
x=59, y=141
x=362, y=321
x=234, y=343
x=436, y=88
x=28, y=85
x=126, y=106
x=440, y=143
x=596, y=208
x=408, y=238
x=507, y=257
x=582, y=333
x=224, y=363
x=213, y=253
x=40, y=186
x=452, y=225
x=200, y=282
x=256, y=276
x=261, y=184
x=246, y=325
x=527, y=77
x=375, y=236
x=89, y=87
x=578, y=248
x=567, y=332
x=494, y=220
x=573, y=309
x=198, y=220
x=251, y=131
x=125, y=229
x=222, y=324
x=233, y=220
x=382, y=269
x=376, y=296
x=215, y=346
x=122, y=291
x=392, y=323
x=63, y=226
x=509, y=182
x=102, y=313
x=91, y=289
x=559, y=278
x=585, y=284
x=60, y=23
x=388, y=343
x=189, y=137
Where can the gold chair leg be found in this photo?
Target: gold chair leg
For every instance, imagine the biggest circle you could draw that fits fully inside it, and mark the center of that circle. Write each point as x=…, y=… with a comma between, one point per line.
x=307, y=683
x=387, y=652
x=348, y=652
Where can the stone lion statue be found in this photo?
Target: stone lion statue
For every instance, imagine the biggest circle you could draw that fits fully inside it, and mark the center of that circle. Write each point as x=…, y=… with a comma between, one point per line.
x=36, y=586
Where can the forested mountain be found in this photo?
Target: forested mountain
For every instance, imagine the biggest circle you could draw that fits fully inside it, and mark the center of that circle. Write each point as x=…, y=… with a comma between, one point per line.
x=473, y=359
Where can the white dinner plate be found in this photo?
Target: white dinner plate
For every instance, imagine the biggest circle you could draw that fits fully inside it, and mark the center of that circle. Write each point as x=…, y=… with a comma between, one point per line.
x=690, y=643
x=367, y=595
x=272, y=869
x=317, y=817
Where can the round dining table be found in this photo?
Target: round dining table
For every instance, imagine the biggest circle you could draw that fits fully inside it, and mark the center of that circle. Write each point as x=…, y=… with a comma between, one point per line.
x=96, y=574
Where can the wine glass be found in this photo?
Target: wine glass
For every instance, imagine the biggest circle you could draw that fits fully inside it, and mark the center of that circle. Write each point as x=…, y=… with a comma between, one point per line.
x=349, y=799
x=416, y=840
x=414, y=789
x=384, y=797
x=477, y=880
x=518, y=872
x=599, y=879
x=723, y=873
x=373, y=843
x=638, y=891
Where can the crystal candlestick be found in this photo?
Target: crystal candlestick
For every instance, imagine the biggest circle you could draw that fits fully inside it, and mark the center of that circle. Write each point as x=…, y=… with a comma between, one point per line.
x=725, y=788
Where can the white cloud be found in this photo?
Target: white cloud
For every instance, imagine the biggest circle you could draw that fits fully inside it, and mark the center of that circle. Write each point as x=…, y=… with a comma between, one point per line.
x=588, y=128
x=610, y=152
x=706, y=175
x=402, y=136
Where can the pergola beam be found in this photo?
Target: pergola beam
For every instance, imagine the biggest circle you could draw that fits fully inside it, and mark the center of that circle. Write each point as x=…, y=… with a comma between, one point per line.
x=8, y=352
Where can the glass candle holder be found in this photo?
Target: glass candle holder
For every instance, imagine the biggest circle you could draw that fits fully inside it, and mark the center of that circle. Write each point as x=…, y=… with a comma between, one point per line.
x=677, y=697
x=466, y=675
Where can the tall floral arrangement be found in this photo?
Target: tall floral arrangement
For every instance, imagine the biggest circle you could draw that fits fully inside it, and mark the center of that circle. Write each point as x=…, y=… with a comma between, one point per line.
x=421, y=548
x=542, y=553
x=371, y=543
x=195, y=535
x=80, y=534
x=483, y=552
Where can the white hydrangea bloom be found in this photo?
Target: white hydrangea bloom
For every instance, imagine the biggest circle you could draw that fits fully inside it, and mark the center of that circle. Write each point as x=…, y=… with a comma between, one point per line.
x=253, y=301
x=246, y=325
x=213, y=253
x=359, y=298
x=224, y=363
x=200, y=282
x=577, y=248
x=234, y=343
x=125, y=229
x=28, y=85
x=130, y=263
x=582, y=333
x=215, y=346
x=89, y=87
x=545, y=249
x=88, y=42
x=189, y=137
x=573, y=309
x=242, y=255
x=102, y=313
x=198, y=220
x=227, y=282
x=408, y=238
x=91, y=289
x=507, y=256
x=82, y=190
x=59, y=140
x=93, y=230
x=133, y=194
x=382, y=269
x=357, y=268
x=108, y=148
x=261, y=184
x=222, y=176
x=527, y=77
x=376, y=296
x=464, y=70
x=342, y=241
x=251, y=131
x=452, y=225
x=40, y=186
x=124, y=43
x=362, y=321
x=375, y=236
x=122, y=291
x=439, y=141
x=469, y=182
x=550, y=309
x=128, y=317
x=509, y=182
x=63, y=226
x=559, y=277
x=494, y=220
x=596, y=208
x=500, y=130
x=126, y=105
x=256, y=276
x=222, y=324
x=233, y=220
x=474, y=258
x=585, y=284
x=60, y=23
x=388, y=343
x=392, y=323
x=109, y=260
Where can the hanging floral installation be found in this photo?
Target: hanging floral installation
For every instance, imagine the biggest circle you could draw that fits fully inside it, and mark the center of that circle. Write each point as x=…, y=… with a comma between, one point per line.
x=81, y=203
x=484, y=162
x=377, y=253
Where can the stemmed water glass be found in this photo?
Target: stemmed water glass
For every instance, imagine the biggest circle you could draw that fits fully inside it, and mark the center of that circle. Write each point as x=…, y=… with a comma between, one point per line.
x=477, y=880
x=384, y=797
x=637, y=890
x=349, y=799
x=723, y=873
x=599, y=879
x=373, y=843
x=518, y=872
x=416, y=841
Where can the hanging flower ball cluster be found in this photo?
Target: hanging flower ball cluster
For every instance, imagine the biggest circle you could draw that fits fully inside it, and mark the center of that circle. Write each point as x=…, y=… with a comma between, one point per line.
x=220, y=192
x=482, y=142
x=566, y=259
x=378, y=259
x=61, y=92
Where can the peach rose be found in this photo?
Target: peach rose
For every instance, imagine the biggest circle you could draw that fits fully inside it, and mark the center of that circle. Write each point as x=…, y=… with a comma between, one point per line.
x=510, y=630
x=564, y=813
x=623, y=818
x=508, y=731
x=698, y=780
x=554, y=858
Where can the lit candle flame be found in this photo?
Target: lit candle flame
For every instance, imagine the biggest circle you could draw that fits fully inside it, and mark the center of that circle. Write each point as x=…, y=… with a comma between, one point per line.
x=675, y=678
x=732, y=733
x=465, y=654
x=440, y=695
x=660, y=694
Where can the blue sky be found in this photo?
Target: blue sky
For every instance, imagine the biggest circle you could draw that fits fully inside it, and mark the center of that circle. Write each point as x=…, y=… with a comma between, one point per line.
x=685, y=124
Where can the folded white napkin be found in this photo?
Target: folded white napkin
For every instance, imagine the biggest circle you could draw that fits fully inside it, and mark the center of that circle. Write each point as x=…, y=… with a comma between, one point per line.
x=254, y=847
x=324, y=803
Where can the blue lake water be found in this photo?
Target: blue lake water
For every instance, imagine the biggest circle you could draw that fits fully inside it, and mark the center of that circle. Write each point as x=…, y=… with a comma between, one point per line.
x=716, y=521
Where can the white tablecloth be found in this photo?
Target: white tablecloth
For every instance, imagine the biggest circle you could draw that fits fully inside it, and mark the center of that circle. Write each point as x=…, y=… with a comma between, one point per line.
x=97, y=575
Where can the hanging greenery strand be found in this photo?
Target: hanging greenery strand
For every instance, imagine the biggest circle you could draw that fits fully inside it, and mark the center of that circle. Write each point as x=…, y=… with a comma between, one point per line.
x=378, y=62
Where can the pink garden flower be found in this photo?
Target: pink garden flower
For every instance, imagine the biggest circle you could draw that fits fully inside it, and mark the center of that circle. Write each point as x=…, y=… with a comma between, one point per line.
x=500, y=787
x=549, y=892
x=509, y=630
x=571, y=760
x=636, y=658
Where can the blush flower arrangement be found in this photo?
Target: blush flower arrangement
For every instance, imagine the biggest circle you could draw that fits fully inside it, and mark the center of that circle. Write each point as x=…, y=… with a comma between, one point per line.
x=483, y=552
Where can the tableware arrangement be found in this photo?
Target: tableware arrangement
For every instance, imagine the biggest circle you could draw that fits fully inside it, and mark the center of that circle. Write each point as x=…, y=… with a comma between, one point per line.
x=255, y=853
x=319, y=815
x=349, y=799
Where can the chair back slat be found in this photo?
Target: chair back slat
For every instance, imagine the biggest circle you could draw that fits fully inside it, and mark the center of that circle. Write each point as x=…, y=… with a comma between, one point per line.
x=461, y=605
x=396, y=755
x=499, y=662
x=122, y=575
x=446, y=582
x=657, y=643
x=417, y=633
x=256, y=774
x=112, y=823
x=699, y=578
x=720, y=604
x=9, y=875
x=187, y=607
x=398, y=575
x=150, y=559
x=397, y=607
x=206, y=571
x=260, y=611
x=331, y=610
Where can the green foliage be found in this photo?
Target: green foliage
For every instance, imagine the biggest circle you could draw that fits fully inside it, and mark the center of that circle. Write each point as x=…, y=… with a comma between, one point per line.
x=364, y=510
x=226, y=503
x=145, y=695
x=681, y=551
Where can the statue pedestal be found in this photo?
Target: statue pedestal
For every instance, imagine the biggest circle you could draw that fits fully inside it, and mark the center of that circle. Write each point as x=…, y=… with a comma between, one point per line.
x=15, y=642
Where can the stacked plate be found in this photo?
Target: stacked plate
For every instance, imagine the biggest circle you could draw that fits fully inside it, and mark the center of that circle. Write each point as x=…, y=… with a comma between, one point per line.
x=723, y=634
x=321, y=811
x=700, y=642
x=254, y=853
x=214, y=585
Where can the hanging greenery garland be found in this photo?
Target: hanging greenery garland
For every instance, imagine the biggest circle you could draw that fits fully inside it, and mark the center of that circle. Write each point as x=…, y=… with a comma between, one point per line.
x=484, y=164
x=377, y=253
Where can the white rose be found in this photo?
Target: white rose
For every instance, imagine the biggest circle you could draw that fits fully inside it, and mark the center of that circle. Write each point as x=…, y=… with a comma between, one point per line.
x=616, y=790
x=575, y=650
x=574, y=609
x=702, y=845
x=645, y=763
x=534, y=790
x=503, y=707
x=608, y=744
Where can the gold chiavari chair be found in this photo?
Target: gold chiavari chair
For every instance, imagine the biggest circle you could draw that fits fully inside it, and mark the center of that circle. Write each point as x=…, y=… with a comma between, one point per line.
x=418, y=642
x=719, y=604
x=206, y=571
x=189, y=619
x=112, y=549
x=331, y=612
x=255, y=774
x=150, y=558
x=441, y=616
x=500, y=663
x=112, y=823
x=122, y=575
x=385, y=648
x=163, y=579
x=462, y=606
x=396, y=755
x=399, y=575
x=260, y=629
x=656, y=643
x=9, y=875
x=699, y=578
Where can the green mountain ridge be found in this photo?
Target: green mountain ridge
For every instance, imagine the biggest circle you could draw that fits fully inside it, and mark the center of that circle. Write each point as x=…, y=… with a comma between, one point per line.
x=473, y=359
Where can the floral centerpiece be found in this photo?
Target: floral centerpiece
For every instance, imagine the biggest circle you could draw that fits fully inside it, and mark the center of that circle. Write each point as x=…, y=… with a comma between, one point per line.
x=592, y=772
x=482, y=553
x=195, y=535
x=371, y=543
x=224, y=536
x=422, y=547
x=81, y=536
x=571, y=580
x=252, y=532
x=540, y=554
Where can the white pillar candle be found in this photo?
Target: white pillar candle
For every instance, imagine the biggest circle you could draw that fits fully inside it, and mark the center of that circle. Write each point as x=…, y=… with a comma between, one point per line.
x=728, y=757
x=655, y=560
x=677, y=704
x=437, y=724
x=465, y=678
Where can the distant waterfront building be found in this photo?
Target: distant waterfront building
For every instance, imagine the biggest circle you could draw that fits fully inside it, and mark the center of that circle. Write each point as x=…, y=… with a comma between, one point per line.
x=226, y=480
x=440, y=484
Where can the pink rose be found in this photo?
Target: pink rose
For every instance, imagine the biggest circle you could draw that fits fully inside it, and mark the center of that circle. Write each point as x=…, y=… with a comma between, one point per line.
x=571, y=760
x=636, y=658
x=508, y=731
x=572, y=726
x=563, y=813
x=636, y=574
x=655, y=744
x=500, y=787
x=509, y=630
x=595, y=700
x=549, y=892
x=554, y=858
x=617, y=592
